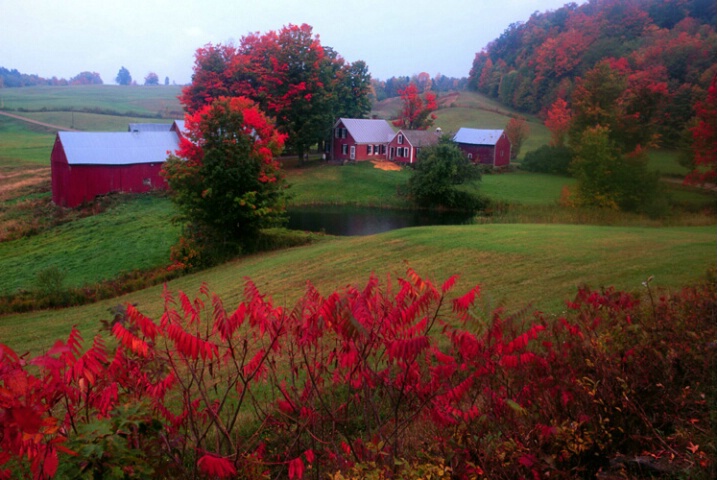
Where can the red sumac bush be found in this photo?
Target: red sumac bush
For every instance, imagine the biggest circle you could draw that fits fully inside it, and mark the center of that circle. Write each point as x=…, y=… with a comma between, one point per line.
x=384, y=376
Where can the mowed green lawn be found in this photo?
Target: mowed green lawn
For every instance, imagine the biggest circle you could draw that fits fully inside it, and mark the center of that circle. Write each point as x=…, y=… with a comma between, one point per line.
x=517, y=265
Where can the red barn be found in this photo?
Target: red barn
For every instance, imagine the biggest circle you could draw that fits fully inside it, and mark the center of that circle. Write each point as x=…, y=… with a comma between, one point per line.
x=360, y=139
x=406, y=144
x=487, y=147
x=87, y=164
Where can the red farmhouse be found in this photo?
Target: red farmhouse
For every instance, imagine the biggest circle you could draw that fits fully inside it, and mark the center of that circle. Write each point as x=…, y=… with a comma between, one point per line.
x=360, y=139
x=88, y=164
x=406, y=144
x=487, y=147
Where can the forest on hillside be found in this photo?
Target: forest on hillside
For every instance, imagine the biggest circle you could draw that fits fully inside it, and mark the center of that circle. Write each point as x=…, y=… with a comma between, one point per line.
x=665, y=46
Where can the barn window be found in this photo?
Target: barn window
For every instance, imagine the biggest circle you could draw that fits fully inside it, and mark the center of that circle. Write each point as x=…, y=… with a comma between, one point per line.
x=400, y=139
x=147, y=182
x=344, y=149
x=369, y=149
x=470, y=156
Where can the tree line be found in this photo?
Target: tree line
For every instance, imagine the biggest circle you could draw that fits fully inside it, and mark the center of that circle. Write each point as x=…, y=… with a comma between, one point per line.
x=671, y=44
x=13, y=78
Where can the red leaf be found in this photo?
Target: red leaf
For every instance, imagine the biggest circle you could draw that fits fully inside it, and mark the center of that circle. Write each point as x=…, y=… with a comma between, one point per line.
x=296, y=468
x=215, y=466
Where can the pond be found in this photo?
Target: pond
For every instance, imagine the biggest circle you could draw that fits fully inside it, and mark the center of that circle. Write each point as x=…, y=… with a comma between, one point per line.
x=350, y=221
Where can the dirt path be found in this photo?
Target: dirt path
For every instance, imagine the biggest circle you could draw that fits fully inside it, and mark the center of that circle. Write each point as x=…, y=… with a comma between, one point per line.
x=35, y=122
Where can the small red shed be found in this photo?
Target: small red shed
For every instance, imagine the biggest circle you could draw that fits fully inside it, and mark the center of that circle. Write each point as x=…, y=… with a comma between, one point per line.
x=87, y=164
x=360, y=139
x=487, y=147
x=406, y=144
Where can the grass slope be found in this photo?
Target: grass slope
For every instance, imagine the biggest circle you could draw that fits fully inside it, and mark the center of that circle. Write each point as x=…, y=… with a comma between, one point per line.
x=516, y=264
x=22, y=144
x=133, y=235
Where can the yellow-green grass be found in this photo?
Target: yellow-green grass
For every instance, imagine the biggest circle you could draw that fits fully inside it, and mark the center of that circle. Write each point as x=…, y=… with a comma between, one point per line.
x=517, y=265
x=133, y=235
x=121, y=99
x=354, y=184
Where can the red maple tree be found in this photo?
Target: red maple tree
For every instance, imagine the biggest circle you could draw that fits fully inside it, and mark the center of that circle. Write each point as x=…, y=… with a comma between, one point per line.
x=416, y=112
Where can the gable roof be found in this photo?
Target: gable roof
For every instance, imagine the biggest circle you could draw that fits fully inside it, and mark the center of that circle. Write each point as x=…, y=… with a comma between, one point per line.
x=117, y=148
x=368, y=130
x=420, y=138
x=475, y=136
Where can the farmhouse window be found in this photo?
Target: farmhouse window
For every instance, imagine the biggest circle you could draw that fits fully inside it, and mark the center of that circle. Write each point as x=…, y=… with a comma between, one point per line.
x=400, y=139
x=344, y=149
x=369, y=149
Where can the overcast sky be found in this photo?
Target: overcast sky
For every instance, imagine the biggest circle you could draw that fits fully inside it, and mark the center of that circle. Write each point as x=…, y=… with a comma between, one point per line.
x=396, y=37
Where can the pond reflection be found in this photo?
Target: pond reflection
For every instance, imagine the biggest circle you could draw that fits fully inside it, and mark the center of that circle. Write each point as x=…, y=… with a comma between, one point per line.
x=349, y=221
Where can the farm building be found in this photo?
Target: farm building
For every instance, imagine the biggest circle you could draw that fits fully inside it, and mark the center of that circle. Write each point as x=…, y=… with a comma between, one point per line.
x=87, y=164
x=487, y=147
x=406, y=144
x=360, y=139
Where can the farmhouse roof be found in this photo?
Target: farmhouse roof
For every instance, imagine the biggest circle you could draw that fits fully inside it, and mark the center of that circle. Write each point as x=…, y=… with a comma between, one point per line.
x=117, y=148
x=475, y=136
x=368, y=130
x=149, y=127
x=420, y=138
x=180, y=127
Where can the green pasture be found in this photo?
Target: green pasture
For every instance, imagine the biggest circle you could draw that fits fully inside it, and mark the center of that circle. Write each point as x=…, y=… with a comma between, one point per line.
x=156, y=100
x=353, y=184
x=133, y=235
x=90, y=122
x=524, y=188
x=22, y=143
x=517, y=265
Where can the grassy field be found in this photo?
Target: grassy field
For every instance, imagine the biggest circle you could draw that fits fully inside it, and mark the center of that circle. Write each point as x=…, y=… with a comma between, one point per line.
x=151, y=101
x=133, y=235
x=23, y=144
x=516, y=264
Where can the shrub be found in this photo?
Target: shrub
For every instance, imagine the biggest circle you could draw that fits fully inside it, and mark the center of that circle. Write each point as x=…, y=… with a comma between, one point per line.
x=395, y=380
x=548, y=159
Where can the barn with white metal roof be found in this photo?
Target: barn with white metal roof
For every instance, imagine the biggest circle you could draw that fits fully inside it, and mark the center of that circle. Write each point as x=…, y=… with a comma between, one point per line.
x=88, y=164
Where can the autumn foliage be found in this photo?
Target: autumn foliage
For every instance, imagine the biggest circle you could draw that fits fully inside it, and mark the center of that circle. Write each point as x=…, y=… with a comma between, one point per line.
x=224, y=178
x=668, y=45
x=383, y=377
x=294, y=79
x=416, y=111
x=704, y=138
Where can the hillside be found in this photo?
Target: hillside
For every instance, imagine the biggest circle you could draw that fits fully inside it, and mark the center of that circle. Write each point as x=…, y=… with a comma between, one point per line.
x=666, y=44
